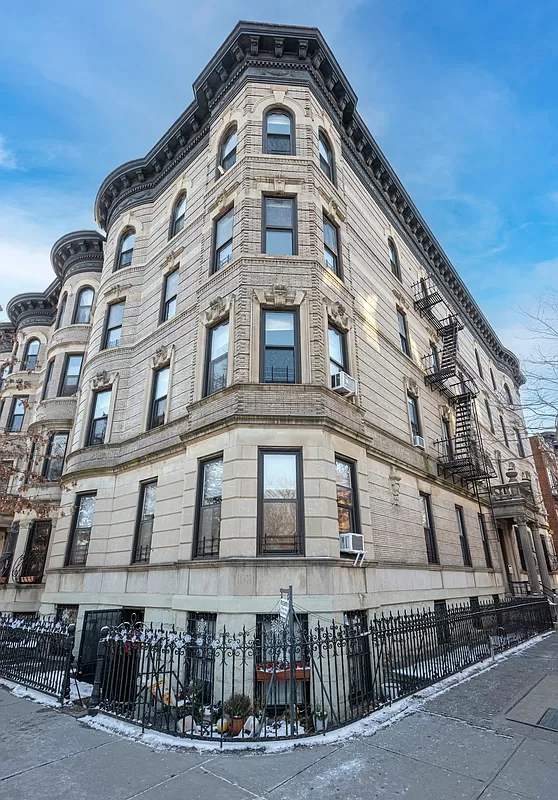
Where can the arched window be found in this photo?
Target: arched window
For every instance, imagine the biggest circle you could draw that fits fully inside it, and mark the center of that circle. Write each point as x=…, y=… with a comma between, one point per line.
x=84, y=304
x=326, y=157
x=178, y=215
x=279, y=133
x=125, y=249
x=31, y=354
x=509, y=398
x=394, y=259
x=61, y=310
x=227, y=151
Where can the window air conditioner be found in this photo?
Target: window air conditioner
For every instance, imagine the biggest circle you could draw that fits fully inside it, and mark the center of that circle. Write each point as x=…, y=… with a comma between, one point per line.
x=351, y=542
x=418, y=441
x=343, y=384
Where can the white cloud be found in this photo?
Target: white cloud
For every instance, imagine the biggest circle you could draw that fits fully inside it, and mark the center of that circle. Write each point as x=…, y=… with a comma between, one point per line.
x=7, y=158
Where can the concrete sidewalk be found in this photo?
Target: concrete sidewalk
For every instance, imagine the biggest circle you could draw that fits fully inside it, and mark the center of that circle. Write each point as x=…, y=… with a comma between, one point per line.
x=478, y=740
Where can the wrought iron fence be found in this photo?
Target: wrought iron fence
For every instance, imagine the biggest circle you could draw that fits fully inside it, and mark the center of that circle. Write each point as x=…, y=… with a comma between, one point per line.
x=236, y=686
x=37, y=653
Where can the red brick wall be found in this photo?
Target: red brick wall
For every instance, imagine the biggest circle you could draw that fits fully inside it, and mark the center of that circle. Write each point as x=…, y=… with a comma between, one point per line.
x=545, y=457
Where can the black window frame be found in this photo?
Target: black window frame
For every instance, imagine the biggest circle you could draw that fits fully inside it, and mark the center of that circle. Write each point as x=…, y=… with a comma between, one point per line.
x=166, y=301
x=107, y=329
x=404, y=341
x=489, y=415
x=344, y=367
x=25, y=365
x=299, y=539
x=62, y=388
x=47, y=380
x=225, y=138
x=519, y=443
x=479, y=364
x=447, y=437
x=354, y=507
x=215, y=267
x=292, y=132
x=504, y=431
x=485, y=543
x=326, y=220
x=207, y=390
x=70, y=561
x=416, y=427
x=9, y=427
x=120, y=253
x=330, y=172
x=47, y=461
x=294, y=224
x=493, y=379
x=93, y=419
x=430, y=538
x=155, y=420
x=296, y=347
x=508, y=395
x=177, y=223
x=141, y=553
x=394, y=262
x=199, y=551
x=78, y=306
x=435, y=356
x=463, y=536
x=61, y=311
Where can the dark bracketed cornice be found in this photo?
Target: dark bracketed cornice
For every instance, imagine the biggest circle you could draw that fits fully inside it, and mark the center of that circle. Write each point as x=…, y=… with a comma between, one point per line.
x=287, y=54
x=81, y=251
x=34, y=308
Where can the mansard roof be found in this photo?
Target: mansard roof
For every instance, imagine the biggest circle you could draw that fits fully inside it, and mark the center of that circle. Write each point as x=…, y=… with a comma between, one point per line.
x=283, y=53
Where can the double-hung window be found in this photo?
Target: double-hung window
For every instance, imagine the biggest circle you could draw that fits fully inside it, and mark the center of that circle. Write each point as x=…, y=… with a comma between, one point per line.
x=429, y=532
x=485, y=542
x=519, y=443
x=448, y=439
x=345, y=481
x=394, y=259
x=479, y=364
x=170, y=294
x=178, y=215
x=126, y=250
x=279, y=226
x=61, y=312
x=414, y=419
x=82, y=313
x=280, y=503
x=227, y=155
x=217, y=358
x=223, y=240
x=70, y=376
x=17, y=414
x=403, y=332
x=113, y=325
x=144, y=524
x=46, y=382
x=208, y=517
x=278, y=138
x=331, y=247
x=326, y=157
x=434, y=357
x=463, y=539
x=31, y=356
x=508, y=394
x=81, y=530
x=279, y=362
x=99, y=417
x=160, y=391
x=337, y=352
x=504, y=431
x=54, y=455
x=489, y=416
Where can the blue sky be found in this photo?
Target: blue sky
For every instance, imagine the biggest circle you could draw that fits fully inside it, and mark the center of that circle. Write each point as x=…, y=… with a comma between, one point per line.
x=461, y=97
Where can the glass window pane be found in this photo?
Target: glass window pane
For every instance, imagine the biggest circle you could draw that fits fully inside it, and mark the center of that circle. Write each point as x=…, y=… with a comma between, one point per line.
x=149, y=500
x=210, y=524
x=230, y=143
x=224, y=228
x=224, y=256
x=343, y=474
x=217, y=374
x=279, y=366
x=401, y=323
x=279, y=123
x=73, y=365
x=113, y=337
x=324, y=151
x=344, y=519
x=171, y=309
x=162, y=382
x=280, y=475
x=279, y=328
x=212, y=481
x=19, y=407
x=278, y=212
x=102, y=404
x=336, y=346
x=85, y=512
x=180, y=208
x=116, y=315
x=128, y=242
x=219, y=340
x=279, y=243
x=279, y=522
x=330, y=235
x=171, y=287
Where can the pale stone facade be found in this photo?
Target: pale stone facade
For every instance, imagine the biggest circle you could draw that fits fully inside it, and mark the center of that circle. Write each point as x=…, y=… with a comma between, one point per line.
x=371, y=430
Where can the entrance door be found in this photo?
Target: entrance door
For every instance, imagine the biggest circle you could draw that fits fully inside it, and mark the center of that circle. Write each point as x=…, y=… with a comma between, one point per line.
x=93, y=621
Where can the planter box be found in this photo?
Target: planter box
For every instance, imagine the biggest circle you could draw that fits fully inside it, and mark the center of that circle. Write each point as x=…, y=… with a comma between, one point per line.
x=301, y=674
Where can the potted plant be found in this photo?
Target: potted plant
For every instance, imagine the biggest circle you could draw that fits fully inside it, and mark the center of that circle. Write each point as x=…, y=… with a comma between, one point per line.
x=238, y=707
x=320, y=718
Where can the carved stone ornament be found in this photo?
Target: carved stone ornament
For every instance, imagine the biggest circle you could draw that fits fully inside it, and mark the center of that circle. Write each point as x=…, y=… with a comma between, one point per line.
x=170, y=259
x=223, y=199
x=279, y=183
x=445, y=413
x=280, y=295
x=337, y=313
x=395, y=481
x=103, y=380
x=162, y=357
x=401, y=299
x=412, y=386
x=117, y=291
x=219, y=308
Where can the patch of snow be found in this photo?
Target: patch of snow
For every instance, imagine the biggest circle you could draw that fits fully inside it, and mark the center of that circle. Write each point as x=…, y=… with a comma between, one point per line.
x=30, y=694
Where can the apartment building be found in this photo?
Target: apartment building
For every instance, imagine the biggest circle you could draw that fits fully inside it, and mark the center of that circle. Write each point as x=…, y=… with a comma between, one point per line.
x=262, y=371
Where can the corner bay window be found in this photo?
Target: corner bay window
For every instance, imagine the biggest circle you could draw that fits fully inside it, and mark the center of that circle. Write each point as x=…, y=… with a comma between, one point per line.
x=113, y=325
x=345, y=487
x=70, y=376
x=144, y=524
x=208, y=516
x=337, y=352
x=54, y=456
x=170, y=293
x=279, y=362
x=280, y=503
x=99, y=417
x=429, y=532
x=17, y=414
x=463, y=540
x=279, y=226
x=217, y=358
x=81, y=530
x=223, y=240
x=160, y=390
